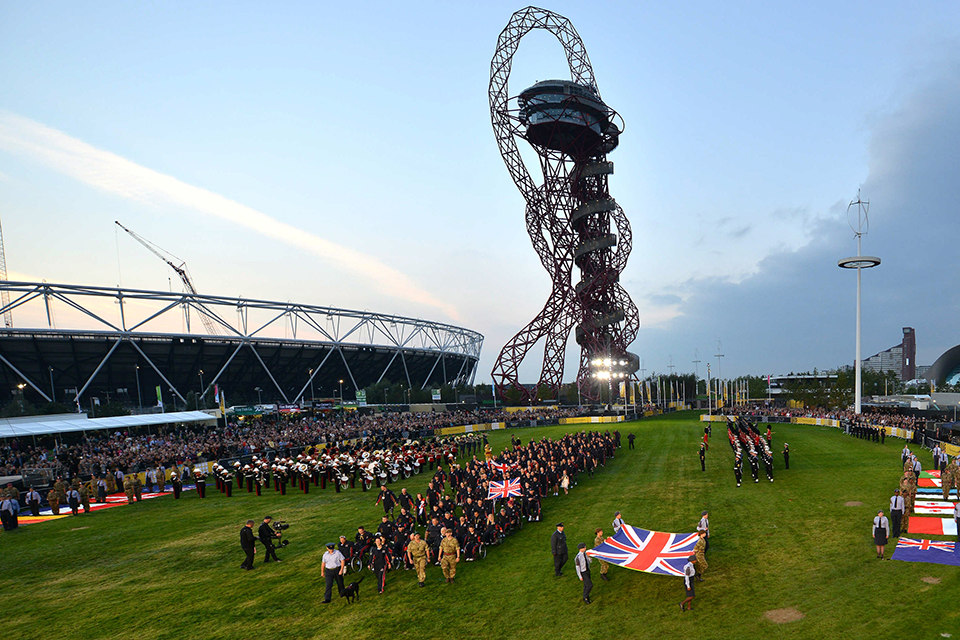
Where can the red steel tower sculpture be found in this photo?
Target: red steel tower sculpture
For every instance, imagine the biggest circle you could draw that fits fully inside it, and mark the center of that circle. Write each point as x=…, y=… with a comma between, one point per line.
x=571, y=218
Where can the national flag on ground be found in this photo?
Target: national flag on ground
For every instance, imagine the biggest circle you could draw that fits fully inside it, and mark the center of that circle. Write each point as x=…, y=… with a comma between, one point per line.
x=649, y=551
x=928, y=491
x=933, y=526
x=505, y=489
x=934, y=507
x=113, y=500
x=933, y=551
x=930, y=473
x=929, y=482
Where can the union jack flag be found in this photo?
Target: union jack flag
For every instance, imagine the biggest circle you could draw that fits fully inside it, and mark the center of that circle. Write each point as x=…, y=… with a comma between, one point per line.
x=649, y=551
x=501, y=466
x=503, y=490
x=924, y=545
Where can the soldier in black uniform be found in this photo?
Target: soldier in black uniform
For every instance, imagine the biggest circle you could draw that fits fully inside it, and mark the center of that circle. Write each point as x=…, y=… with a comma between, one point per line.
x=703, y=458
x=786, y=456
x=738, y=469
x=267, y=536
x=389, y=500
x=248, y=544
x=558, y=546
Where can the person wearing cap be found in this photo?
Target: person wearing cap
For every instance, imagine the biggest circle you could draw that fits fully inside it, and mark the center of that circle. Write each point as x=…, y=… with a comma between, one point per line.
x=332, y=567
x=558, y=546
x=582, y=565
x=881, y=527
x=248, y=544
x=418, y=552
x=699, y=550
x=449, y=555
x=786, y=456
x=896, y=513
x=704, y=525
x=604, y=565
x=267, y=535
x=617, y=523
x=689, y=571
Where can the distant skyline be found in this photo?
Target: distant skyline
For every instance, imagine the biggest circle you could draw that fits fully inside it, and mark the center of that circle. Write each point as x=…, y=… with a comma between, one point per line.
x=342, y=155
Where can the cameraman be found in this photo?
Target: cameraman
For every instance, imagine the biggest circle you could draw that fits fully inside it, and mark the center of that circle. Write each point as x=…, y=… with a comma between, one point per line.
x=267, y=536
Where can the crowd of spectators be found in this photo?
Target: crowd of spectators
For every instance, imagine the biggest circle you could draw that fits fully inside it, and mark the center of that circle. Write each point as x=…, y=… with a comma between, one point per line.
x=870, y=415
x=97, y=452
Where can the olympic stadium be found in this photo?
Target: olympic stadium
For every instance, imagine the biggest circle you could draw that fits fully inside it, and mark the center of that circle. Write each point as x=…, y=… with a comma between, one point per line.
x=82, y=345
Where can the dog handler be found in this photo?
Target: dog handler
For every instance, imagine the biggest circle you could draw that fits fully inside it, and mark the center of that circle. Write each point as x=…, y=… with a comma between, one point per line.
x=332, y=567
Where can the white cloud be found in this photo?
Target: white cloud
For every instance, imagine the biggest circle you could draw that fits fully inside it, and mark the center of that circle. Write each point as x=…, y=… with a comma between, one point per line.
x=111, y=173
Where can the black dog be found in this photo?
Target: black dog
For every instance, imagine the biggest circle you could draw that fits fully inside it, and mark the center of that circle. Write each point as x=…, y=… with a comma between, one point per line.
x=352, y=591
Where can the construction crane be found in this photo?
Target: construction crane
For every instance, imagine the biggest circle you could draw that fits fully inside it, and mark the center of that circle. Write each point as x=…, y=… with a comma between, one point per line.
x=180, y=269
x=4, y=295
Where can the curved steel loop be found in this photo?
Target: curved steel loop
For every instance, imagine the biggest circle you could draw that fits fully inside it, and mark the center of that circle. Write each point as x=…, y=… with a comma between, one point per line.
x=521, y=23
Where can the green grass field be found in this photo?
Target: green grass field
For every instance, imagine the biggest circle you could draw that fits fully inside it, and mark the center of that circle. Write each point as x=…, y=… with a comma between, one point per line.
x=170, y=569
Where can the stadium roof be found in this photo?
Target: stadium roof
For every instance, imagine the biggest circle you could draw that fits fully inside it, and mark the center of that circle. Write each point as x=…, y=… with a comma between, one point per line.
x=15, y=428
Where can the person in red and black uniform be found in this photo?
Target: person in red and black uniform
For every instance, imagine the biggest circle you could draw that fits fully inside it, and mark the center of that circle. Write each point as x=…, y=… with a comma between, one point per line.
x=380, y=562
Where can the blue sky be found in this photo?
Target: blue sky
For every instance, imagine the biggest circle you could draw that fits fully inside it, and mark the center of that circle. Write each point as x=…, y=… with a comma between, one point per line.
x=342, y=154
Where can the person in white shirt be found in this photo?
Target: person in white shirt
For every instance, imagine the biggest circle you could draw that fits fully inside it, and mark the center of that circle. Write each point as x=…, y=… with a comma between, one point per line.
x=332, y=567
x=617, y=523
x=881, y=527
x=689, y=572
x=704, y=525
x=896, y=513
x=582, y=564
x=956, y=519
x=33, y=501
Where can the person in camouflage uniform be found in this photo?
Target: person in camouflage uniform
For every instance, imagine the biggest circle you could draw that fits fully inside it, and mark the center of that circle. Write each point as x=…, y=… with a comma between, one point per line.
x=137, y=487
x=700, y=550
x=946, y=480
x=908, y=489
x=949, y=478
x=418, y=552
x=85, y=498
x=57, y=496
x=128, y=489
x=604, y=565
x=449, y=555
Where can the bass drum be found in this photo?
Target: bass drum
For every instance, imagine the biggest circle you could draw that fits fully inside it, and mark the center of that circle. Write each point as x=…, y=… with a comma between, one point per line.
x=417, y=468
x=406, y=472
x=367, y=482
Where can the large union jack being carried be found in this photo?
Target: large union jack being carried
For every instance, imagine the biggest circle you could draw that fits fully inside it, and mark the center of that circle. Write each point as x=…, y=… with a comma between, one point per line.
x=503, y=490
x=649, y=551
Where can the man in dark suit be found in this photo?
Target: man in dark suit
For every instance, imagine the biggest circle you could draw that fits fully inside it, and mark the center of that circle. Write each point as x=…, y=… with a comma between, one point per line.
x=558, y=546
x=267, y=535
x=247, y=543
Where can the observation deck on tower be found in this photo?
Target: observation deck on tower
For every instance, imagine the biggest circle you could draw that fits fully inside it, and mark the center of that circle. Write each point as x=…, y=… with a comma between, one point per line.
x=568, y=117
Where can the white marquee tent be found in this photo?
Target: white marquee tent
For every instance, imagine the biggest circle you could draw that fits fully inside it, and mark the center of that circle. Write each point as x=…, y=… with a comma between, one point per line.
x=18, y=428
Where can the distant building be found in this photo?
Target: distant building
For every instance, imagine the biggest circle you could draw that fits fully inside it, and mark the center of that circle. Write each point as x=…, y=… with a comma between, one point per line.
x=901, y=359
x=780, y=385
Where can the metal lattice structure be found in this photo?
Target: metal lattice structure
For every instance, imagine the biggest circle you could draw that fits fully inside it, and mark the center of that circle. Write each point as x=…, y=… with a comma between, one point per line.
x=106, y=336
x=571, y=218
